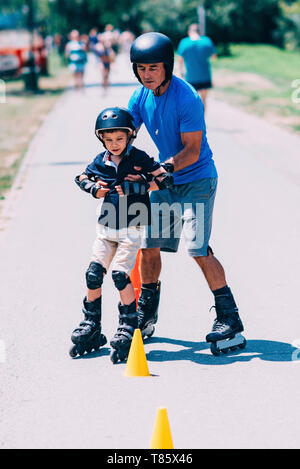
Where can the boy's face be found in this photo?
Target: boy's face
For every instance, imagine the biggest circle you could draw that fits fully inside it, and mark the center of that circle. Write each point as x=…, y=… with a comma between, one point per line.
x=115, y=142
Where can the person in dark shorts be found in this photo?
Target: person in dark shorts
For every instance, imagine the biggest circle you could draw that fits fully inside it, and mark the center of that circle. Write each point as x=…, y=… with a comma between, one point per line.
x=194, y=53
x=173, y=114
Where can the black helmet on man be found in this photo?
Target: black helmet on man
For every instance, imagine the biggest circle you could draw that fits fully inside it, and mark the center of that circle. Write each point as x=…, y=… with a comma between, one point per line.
x=150, y=48
x=115, y=118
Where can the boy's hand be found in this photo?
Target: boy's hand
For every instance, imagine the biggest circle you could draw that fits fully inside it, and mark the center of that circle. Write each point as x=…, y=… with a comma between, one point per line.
x=120, y=190
x=103, y=189
x=96, y=189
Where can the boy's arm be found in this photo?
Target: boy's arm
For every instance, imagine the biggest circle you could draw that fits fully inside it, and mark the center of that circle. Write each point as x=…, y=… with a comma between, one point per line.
x=96, y=189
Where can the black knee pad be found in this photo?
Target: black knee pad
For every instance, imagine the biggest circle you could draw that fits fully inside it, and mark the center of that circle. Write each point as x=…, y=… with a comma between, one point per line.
x=94, y=275
x=120, y=279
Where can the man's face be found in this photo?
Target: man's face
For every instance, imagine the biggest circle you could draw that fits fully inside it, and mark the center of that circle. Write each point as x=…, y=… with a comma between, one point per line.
x=151, y=75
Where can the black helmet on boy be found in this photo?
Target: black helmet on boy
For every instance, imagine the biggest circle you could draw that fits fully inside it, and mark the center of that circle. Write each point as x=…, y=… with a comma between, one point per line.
x=150, y=48
x=115, y=118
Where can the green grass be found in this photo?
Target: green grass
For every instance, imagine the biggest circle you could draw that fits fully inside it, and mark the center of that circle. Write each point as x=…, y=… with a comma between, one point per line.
x=25, y=112
x=259, y=78
x=271, y=62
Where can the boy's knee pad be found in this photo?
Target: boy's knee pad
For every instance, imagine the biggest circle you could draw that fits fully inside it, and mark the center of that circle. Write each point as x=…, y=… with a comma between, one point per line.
x=94, y=275
x=120, y=279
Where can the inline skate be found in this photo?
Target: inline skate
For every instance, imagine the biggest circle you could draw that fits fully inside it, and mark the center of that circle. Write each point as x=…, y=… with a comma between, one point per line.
x=227, y=327
x=87, y=336
x=128, y=322
x=148, y=310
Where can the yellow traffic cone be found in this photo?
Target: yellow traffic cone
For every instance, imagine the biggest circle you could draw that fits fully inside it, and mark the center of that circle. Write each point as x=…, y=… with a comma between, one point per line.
x=161, y=436
x=136, y=362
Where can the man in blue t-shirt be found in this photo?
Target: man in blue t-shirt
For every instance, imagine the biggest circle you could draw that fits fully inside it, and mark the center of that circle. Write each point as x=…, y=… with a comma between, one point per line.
x=173, y=114
x=194, y=52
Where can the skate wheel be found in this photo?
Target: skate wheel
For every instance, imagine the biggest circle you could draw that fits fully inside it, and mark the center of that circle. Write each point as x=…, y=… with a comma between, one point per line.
x=73, y=351
x=89, y=349
x=243, y=344
x=148, y=332
x=122, y=356
x=103, y=340
x=151, y=333
x=114, y=356
x=80, y=349
x=214, y=349
x=233, y=349
x=225, y=350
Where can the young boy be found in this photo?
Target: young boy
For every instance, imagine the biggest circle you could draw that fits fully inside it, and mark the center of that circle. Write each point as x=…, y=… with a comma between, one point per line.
x=119, y=230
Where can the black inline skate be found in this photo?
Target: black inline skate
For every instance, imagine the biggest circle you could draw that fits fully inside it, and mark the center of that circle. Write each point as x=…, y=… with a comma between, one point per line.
x=88, y=335
x=227, y=327
x=148, y=310
x=128, y=322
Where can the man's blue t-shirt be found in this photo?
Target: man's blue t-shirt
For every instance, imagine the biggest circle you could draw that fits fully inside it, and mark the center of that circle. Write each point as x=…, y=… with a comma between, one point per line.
x=196, y=54
x=179, y=109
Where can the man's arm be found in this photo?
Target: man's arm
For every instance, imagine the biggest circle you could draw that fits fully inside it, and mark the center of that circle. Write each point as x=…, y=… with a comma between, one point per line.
x=191, y=150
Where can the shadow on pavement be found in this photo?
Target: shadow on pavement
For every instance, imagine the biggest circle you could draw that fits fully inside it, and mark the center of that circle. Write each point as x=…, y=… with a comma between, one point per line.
x=266, y=350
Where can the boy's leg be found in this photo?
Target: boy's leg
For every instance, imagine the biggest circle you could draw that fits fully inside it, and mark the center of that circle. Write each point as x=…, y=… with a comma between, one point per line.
x=129, y=242
x=87, y=335
x=124, y=261
x=104, y=249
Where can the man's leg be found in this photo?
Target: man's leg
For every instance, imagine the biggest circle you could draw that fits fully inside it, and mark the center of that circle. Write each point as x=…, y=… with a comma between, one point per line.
x=150, y=268
x=227, y=322
x=150, y=265
x=212, y=271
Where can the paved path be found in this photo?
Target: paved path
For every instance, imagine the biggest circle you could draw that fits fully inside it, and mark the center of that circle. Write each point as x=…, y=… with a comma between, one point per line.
x=246, y=400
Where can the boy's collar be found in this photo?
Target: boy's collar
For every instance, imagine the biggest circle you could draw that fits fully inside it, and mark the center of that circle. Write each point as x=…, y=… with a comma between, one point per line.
x=106, y=156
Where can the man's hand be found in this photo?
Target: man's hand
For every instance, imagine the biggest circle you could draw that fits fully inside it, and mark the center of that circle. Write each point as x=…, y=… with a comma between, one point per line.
x=133, y=188
x=134, y=177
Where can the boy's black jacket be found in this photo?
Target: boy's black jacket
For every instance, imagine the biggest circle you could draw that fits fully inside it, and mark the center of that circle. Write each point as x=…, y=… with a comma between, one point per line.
x=120, y=212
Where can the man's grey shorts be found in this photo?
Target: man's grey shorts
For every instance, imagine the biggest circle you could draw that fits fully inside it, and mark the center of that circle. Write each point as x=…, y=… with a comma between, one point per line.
x=186, y=208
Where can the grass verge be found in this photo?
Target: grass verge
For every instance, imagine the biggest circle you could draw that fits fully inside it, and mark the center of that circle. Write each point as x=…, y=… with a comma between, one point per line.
x=22, y=115
x=262, y=80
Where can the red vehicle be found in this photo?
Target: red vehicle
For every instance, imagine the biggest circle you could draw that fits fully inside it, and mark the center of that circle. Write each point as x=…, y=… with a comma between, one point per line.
x=15, y=48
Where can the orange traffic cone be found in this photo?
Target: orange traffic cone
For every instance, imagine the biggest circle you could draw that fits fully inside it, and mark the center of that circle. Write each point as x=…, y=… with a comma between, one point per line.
x=161, y=437
x=137, y=362
x=135, y=277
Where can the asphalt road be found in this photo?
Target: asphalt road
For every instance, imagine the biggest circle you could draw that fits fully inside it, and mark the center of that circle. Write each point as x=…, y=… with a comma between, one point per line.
x=249, y=399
